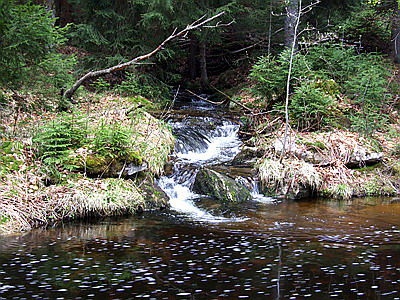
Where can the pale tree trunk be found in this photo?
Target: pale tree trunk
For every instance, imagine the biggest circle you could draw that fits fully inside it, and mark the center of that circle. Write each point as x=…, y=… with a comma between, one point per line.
x=292, y=12
x=292, y=46
x=203, y=65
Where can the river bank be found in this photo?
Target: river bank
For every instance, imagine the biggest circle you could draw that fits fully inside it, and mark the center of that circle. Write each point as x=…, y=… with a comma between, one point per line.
x=109, y=171
x=332, y=163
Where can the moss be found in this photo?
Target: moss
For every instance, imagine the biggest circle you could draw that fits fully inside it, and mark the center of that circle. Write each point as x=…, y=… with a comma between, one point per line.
x=370, y=169
x=396, y=168
x=220, y=187
x=378, y=187
x=338, y=191
x=315, y=145
x=134, y=157
x=95, y=163
x=154, y=195
x=140, y=101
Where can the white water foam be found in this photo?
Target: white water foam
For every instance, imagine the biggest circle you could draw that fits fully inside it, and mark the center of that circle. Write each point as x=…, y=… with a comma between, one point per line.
x=257, y=196
x=181, y=200
x=223, y=145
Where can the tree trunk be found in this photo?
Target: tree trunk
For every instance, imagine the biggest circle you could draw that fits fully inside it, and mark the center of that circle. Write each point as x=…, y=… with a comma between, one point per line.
x=63, y=12
x=292, y=14
x=203, y=66
x=396, y=35
x=192, y=60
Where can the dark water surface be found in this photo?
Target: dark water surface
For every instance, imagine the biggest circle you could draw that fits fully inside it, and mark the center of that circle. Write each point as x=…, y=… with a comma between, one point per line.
x=287, y=250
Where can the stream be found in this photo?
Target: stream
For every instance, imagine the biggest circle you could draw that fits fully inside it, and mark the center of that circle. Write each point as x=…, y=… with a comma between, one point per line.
x=262, y=249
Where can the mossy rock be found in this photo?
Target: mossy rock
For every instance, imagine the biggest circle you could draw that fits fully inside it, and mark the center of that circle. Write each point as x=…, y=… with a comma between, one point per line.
x=154, y=196
x=98, y=165
x=95, y=164
x=247, y=156
x=220, y=187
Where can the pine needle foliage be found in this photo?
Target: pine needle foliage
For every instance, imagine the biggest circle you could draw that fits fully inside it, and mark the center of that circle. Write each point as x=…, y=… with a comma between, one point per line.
x=27, y=37
x=324, y=78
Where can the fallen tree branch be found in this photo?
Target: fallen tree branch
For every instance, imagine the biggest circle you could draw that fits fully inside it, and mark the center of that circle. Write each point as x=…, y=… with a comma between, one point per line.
x=175, y=34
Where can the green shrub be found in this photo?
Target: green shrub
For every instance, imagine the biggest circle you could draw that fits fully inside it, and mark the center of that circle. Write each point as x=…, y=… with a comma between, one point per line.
x=369, y=27
x=270, y=75
x=112, y=141
x=27, y=35
x=367, y=89
x=322, y=75
x=54, y=73
x=144, y=85
x=101, y=85
x=311, y=106
x=10, y=160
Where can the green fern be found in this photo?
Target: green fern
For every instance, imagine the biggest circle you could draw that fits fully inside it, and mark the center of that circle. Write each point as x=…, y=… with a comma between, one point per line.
x=57, y=138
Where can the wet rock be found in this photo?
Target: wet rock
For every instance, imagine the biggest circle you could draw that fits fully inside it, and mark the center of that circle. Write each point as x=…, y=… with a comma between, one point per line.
x=132, y=169
x=155, y=197
x=247, y=156
x=361, y=157
x=221, y=187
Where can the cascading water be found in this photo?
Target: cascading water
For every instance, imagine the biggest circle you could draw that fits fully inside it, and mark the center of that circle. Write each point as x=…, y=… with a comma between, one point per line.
x=201, y=141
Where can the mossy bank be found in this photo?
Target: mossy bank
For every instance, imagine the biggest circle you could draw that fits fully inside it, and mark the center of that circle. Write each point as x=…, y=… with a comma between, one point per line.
x=99, y=159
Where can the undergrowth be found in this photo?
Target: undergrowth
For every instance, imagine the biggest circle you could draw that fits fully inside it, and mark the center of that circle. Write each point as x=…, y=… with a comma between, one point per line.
x=327, y=81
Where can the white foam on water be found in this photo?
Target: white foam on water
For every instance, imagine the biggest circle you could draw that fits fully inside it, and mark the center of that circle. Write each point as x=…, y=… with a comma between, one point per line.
x=223, y=145
x=181, y=200
x=262, y=199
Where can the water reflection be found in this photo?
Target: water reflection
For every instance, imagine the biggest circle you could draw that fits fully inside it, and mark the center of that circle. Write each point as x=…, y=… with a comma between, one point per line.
x=286, y=250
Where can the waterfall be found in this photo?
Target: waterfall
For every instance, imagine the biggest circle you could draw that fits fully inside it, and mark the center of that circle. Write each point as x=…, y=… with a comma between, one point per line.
x=200, y=141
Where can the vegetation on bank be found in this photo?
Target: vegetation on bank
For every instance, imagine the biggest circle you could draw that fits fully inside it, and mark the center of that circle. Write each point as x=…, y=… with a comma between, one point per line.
x=99, y=160
x=343, y=106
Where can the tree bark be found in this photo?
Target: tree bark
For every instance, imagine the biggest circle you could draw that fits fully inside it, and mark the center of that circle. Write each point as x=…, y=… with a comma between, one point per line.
x=192, y=61
x=203, y=65
x=195, y=25
x=396, y=34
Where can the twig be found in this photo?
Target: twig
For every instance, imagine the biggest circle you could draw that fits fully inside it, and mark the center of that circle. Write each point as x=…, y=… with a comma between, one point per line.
x=175, y=34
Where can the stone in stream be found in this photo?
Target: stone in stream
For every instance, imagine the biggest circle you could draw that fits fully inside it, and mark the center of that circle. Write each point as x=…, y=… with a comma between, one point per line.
x=221, y=187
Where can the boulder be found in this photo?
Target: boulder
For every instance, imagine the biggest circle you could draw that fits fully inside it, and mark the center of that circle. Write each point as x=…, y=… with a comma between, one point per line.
x=247, y=156
x=221, y=187
x=100, y=166
x=361, y=157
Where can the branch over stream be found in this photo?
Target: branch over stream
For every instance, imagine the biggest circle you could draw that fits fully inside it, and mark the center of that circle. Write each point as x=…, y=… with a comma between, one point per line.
x=175, y=34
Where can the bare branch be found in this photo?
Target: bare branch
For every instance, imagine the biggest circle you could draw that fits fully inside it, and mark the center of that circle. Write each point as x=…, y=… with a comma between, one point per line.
x=175, y=34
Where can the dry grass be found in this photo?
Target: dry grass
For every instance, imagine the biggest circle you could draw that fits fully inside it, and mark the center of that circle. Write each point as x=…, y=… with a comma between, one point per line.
x=26, y=203
x=150, y=137
x=288, y=176
x=320, y=161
